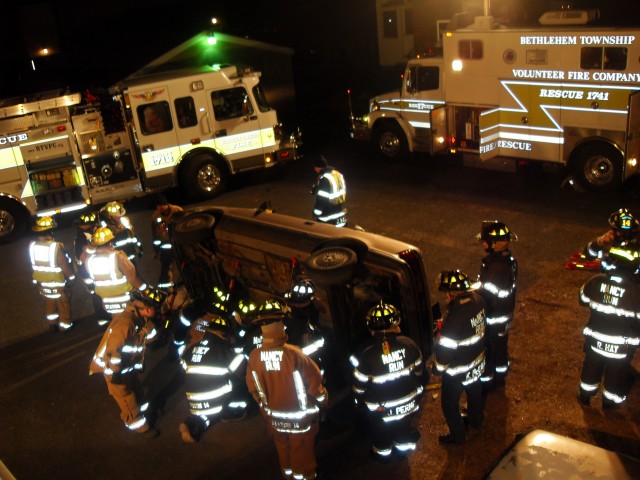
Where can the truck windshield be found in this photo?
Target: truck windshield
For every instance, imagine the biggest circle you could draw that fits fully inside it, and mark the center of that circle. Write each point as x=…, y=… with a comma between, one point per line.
x=261, y=100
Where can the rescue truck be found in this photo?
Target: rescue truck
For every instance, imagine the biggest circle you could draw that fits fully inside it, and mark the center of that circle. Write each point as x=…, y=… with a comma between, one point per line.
x=558, y=93
x=61, y=152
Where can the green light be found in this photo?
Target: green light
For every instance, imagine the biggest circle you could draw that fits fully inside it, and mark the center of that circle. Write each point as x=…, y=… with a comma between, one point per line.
x=212, y=40
x=216, y=67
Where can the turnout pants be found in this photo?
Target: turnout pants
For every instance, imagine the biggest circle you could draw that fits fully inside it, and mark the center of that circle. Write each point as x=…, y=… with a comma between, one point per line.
x=452, y=389
x=398, y=435
x=616, y=373
x=127, y=397
x=58, y=310
x=296, y=452
x=496, y=354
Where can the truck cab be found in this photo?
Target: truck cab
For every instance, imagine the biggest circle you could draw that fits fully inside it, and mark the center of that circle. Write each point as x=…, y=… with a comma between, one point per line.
x=196, y=128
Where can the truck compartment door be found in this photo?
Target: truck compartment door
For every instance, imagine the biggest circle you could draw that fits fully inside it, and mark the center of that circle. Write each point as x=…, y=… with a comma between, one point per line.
x=632, y=148
x=439, y=133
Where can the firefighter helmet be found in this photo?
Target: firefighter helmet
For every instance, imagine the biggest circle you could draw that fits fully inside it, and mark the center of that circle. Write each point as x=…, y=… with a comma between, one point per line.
x=218, y=322
x=220, y=294
x=302, y=292
x=383, y=316
x=217, y=307
x=88, y=218
x=45, y=224
x=268, y=312
x=454, y=281
x=150, y=296
x=102, y=236
x=245, y=312
x=624, y=222
x=114, y=209
x=495, y=231
x=621, y=258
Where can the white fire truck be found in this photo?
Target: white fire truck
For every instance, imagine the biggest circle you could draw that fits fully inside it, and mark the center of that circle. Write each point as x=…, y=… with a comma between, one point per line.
x=61, y=152
x=559, y=93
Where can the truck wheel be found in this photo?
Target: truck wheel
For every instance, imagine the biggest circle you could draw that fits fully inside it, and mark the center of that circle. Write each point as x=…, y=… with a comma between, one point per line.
x=13, y=220
x=598, y=168
x=390, y=142
x=331, y=265
x=193, y=229
x=204, y=178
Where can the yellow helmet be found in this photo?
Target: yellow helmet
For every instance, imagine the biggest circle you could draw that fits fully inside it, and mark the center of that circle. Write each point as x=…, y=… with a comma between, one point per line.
x=44, y=224
x=115, y=209
x=102, y=236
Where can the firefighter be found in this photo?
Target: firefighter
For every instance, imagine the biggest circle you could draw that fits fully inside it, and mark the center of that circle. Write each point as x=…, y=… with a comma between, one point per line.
x=460, y=355
x=114, y=217
x=624, y=228
x=160, y=219
x=498, y=276
x=387, y=383
x=120, y=357
x=53, y=273
x=287, y=385
x=612, y=333
x=301, y=321
x=86, y=225
x=114, y=276
x=214, y=381
x=331, y=194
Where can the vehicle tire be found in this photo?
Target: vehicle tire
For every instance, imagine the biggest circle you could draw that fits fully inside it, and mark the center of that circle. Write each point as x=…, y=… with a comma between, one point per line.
x=193, y=229
x=204, y=178
x=598, y=168
x=331, y=265
x=390, y=142
x=14, y=220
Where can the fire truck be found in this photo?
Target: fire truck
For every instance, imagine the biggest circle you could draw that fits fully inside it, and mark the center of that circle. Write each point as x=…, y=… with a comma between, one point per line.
x=61, y=152
x=563, y=93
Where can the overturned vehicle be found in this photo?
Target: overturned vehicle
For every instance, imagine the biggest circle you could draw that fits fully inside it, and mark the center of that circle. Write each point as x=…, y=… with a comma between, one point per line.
x=262, y=252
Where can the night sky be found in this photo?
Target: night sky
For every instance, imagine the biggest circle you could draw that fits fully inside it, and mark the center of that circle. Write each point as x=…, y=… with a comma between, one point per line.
x=103, y=42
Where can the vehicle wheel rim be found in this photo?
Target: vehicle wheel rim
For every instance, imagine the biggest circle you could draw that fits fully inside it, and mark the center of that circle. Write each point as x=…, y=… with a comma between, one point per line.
x=389, y=144
x=599, y=170
x=209, y=178
x=332, y=258
x=7, y=223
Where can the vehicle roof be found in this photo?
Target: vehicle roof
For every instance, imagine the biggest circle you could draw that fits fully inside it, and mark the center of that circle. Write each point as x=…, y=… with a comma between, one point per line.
x=542, y=454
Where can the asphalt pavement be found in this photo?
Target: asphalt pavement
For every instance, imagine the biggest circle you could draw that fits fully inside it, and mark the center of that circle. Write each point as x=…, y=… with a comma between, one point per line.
x=59, y=422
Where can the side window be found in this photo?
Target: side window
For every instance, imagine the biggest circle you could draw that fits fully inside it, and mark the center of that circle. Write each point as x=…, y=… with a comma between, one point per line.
x=599, y=58
x=261, y=99
x=423, y=78
x=185, y=112
x=470, y=49
x=615, y=58
x=231, y=103
x=154, y=118
x=428, y=78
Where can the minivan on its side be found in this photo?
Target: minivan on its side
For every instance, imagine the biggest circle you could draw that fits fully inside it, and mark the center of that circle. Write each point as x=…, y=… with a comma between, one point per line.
x=353, y=270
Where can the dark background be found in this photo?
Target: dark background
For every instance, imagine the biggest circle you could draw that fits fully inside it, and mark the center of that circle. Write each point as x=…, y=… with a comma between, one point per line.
x=99, y=43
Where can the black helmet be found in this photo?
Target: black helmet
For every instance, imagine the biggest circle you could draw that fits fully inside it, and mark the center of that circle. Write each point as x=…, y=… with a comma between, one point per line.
x=89, y=218
x=495, y=231
x=625, y=222
x=454, y=281
x=383, y=316
x=268, y=312
x=217, y=307
x=150, y=296
x=218, y=322
x=302, y=292
x=621, y=258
